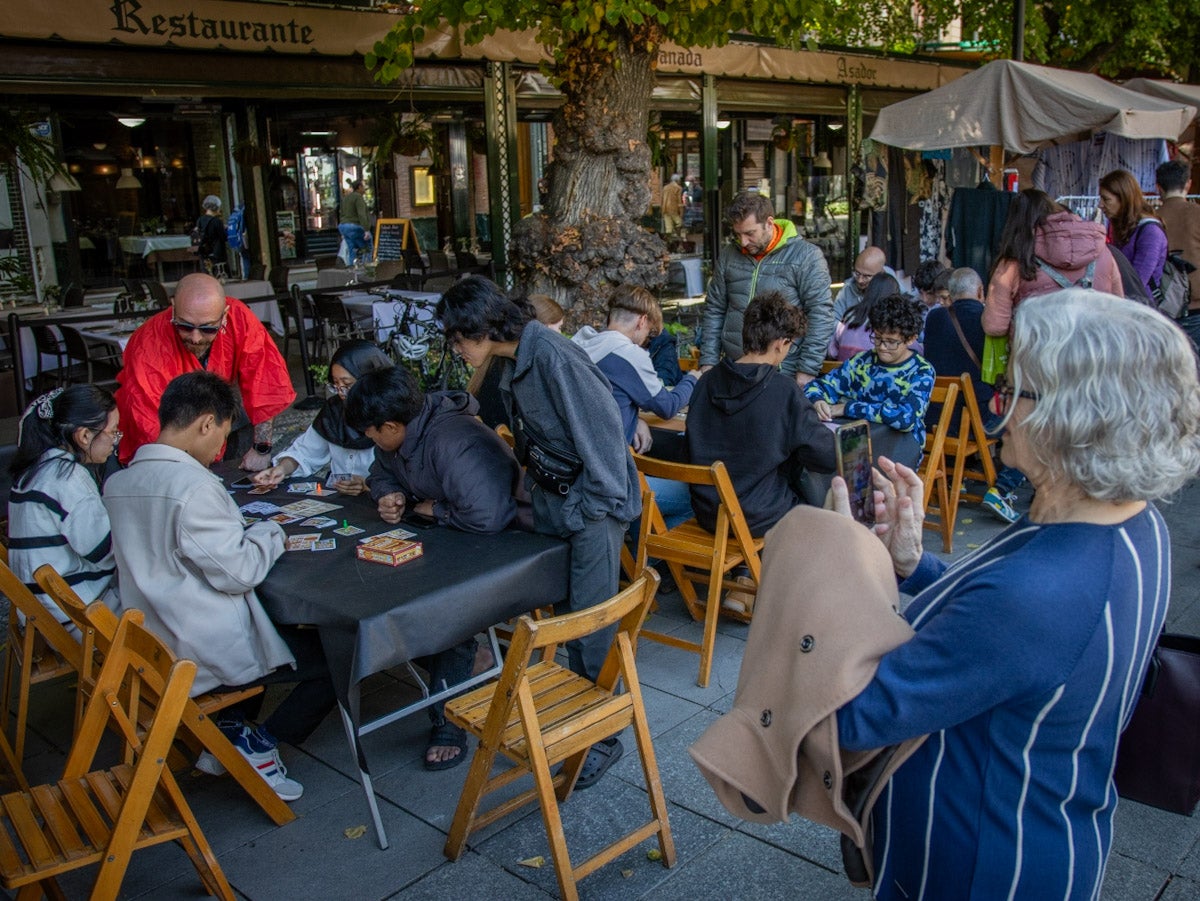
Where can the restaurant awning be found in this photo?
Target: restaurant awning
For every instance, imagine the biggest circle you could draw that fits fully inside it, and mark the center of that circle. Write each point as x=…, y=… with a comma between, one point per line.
x=1021, y=107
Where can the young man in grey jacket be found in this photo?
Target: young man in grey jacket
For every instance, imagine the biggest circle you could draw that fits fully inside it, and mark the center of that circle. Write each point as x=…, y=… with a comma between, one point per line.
x=563, y=412
x=185, y=559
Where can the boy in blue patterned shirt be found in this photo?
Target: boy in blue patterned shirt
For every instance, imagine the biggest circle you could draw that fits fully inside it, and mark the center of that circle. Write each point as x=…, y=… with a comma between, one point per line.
x=889, y=385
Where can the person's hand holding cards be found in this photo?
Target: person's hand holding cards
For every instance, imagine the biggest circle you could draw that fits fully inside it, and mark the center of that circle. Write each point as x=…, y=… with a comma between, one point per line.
x=345, y=483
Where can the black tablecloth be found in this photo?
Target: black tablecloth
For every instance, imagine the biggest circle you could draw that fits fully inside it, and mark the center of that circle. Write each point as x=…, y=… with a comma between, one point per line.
x=373, y=616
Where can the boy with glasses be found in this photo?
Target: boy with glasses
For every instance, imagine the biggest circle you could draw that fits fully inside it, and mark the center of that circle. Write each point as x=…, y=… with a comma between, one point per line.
x=889, y=385
x=204, y=329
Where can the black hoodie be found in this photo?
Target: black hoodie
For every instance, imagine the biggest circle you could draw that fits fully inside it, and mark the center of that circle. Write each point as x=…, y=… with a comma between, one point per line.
x=758, y=422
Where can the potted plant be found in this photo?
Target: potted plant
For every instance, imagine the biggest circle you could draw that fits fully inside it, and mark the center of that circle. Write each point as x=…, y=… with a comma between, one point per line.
x=406, y=136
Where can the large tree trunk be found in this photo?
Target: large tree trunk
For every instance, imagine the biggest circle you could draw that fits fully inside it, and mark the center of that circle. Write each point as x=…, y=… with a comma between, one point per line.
x=589, y=239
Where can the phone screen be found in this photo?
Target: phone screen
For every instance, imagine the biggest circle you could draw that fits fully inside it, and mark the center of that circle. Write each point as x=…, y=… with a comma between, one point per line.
x=244, y=482
x=854, y=463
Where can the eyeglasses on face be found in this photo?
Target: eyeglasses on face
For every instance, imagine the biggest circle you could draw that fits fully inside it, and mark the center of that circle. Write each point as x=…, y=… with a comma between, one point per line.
x=116, y=434
x=887, y=343
x=1005, y=393
x=341, y=390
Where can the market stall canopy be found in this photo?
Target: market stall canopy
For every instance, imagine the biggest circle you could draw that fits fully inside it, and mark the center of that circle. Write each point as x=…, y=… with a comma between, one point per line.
x=1165, y=90
x=1021, y=107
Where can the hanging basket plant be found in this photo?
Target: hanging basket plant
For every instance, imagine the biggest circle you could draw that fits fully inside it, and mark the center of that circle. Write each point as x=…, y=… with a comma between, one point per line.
x=394, y=134
x=477, y=138
x=784, y=137
x=250, y=153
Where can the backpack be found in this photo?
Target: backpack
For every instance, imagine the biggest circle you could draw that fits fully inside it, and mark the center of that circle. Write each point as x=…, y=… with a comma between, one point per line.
x=1061, y=280
x=1173, y=291
x=234, y=231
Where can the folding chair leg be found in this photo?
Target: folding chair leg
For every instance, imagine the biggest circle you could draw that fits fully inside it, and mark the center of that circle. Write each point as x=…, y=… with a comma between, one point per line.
x=10, y=664
x=468, y=801
x=709, y=642
x=546, y=796
x=24, y=684
x=641, y=733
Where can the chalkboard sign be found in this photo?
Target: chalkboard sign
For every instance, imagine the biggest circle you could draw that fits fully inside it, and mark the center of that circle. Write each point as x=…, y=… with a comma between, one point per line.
x=392, y=236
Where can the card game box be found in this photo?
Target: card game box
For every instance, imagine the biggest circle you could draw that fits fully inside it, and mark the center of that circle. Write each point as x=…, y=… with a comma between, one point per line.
x=389, y=551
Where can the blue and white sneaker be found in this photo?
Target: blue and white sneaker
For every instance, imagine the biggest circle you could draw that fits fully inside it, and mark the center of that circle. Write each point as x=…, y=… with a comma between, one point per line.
x=1001, y=505
x=265, y=762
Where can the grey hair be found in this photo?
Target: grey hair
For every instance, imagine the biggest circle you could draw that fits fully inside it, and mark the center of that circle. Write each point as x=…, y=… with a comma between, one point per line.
x=1118, y=409
x=964, y=282
x=211, y=202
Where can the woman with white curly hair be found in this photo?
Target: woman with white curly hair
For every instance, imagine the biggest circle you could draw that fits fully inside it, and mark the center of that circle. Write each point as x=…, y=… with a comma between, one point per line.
x=1029, y=653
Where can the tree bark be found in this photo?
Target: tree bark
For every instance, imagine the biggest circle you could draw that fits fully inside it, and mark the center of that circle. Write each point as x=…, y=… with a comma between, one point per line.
x=589, y=240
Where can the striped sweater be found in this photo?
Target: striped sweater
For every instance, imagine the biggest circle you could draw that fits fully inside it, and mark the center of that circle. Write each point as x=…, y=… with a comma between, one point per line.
x=1027, y=662
x=55, y=516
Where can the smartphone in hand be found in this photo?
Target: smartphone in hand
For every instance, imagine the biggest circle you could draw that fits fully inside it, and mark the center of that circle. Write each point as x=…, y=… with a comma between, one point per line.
x=243, y=482
x=854, y=464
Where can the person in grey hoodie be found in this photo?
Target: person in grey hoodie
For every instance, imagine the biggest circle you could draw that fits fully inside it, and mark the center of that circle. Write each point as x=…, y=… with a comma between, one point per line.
x=560, y=405
x=757, y=421
x=433, y=457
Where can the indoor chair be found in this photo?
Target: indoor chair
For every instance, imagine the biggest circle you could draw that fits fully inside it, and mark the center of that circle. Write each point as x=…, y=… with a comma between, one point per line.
x=103, y=816
x=695, y=555
x=539, y=714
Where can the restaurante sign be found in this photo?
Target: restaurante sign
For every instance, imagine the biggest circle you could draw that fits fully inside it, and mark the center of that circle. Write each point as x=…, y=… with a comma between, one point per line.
x=132, y=17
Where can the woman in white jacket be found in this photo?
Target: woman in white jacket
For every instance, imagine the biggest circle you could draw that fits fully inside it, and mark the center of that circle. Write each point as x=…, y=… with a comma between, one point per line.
x=329, y=441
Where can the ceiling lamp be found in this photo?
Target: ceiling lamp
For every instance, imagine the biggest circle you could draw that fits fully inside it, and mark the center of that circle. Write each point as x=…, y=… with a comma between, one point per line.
x=128, y=180
x=822, y=161
x=835, y=126
x=724, y=123
x=100, y=145
x=131, y=121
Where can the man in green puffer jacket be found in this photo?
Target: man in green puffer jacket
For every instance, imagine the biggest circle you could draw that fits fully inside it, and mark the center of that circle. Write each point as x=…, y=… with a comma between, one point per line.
x=768, y=256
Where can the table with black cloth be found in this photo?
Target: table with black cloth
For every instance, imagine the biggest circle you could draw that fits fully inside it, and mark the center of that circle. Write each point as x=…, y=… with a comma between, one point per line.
x=372, y=617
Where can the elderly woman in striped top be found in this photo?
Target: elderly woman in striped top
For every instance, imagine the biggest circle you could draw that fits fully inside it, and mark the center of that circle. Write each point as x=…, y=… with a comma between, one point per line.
x=1029, y=653
x=55, y=514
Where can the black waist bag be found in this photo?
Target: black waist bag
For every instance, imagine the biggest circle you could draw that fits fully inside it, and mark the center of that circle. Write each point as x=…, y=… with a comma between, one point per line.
x=555, y=470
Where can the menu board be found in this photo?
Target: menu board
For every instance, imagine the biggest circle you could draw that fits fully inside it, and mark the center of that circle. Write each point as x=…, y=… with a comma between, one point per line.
x=285, y=233
x=392, y=236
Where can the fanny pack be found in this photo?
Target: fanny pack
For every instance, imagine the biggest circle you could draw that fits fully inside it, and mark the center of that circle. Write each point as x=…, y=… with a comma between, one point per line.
x=555, y=470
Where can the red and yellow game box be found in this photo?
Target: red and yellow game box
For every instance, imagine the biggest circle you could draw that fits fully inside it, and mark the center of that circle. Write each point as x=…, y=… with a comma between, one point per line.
x=389, y=551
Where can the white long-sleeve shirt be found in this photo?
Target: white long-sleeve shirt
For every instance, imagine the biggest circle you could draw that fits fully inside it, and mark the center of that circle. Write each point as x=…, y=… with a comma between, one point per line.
x=312, y=452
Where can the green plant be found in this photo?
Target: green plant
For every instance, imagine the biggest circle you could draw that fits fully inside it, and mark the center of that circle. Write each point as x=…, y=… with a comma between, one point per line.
x=394, y=133
x=320, y=372
x=20, y=146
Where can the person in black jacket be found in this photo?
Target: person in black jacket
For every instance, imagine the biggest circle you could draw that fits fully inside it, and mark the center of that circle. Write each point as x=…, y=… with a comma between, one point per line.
x=434, y=458
x=757, y=421
x=211, y=248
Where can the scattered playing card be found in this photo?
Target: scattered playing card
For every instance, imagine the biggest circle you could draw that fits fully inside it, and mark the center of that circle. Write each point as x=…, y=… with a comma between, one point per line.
x=250, y=520
x=325, y=544
x=319, y=522
x=349, y=530
x=335, y=477
x=401, y=534
x=285, y=519
x=302, y=542
x=262, y=489
x=301, y=487
x=309, y=507
x=264, y=507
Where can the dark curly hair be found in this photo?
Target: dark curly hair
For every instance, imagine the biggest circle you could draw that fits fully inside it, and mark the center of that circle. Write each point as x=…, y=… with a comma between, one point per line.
x=927, y=274
x=897, y=313
x=770, y=317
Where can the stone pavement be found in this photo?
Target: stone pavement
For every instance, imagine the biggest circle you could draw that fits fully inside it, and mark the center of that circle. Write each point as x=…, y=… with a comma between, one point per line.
x=1156, y=854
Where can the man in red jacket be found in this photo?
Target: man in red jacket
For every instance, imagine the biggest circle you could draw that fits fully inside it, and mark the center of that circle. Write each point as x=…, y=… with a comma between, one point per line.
x=204, y=329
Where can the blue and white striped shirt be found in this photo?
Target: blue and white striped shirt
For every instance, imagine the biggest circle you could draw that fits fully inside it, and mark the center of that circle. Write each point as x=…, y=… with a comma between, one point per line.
x=1027, y=662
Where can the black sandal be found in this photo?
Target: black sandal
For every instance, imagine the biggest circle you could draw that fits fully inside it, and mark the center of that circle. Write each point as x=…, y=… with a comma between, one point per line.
x=600, y=756
x=447, y=735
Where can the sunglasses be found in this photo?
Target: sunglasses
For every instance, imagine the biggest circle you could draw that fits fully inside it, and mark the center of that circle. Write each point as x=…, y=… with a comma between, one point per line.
x=187, y=327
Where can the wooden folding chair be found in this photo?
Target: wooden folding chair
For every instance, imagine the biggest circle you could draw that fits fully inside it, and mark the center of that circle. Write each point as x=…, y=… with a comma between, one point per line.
x=933, y=466
x=38, y=651
x=102, y=817
x=541, y=713
x=972, y=440
x=696, y=555
x=98, y=625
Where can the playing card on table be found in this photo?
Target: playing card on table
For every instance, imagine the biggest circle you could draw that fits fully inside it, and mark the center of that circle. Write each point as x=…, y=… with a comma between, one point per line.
x=349, y=530
x=263, y=507
x=261, y=489
x=319, y=522
x=250, y=520
x=401, y=534
x=301, y=487
x=308, y=507
x=302, y=542
x=285, y=519
x=325, y=544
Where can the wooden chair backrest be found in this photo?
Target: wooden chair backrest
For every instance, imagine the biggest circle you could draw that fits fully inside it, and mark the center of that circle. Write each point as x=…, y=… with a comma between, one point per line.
x=38, y=617
x=137, y=668
x=946, y=393
x=730, y=519
x=97, y=627
x=627, y=608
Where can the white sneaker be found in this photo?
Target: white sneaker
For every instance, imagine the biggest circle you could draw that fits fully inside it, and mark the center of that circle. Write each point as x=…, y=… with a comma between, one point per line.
x=206, y=763
x=268, y=765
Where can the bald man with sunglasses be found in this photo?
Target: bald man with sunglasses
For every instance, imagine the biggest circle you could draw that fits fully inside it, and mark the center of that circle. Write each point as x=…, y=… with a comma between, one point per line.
x=204, y=329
